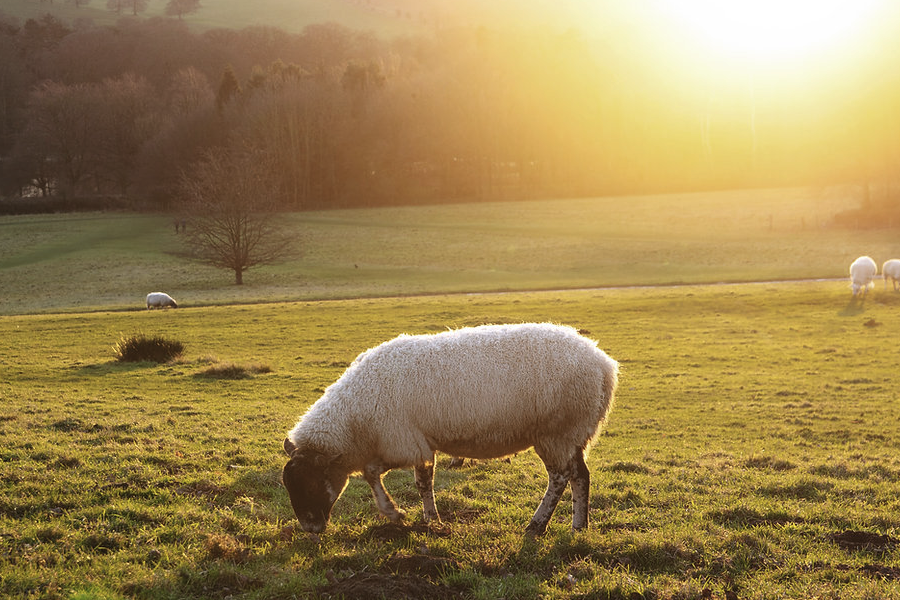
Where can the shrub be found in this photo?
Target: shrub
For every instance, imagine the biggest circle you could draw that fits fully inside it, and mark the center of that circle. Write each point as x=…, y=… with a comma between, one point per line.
x=142, y=348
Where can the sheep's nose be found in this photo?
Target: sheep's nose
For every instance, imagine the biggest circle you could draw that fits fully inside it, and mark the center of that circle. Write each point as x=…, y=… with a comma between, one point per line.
x=313, y=526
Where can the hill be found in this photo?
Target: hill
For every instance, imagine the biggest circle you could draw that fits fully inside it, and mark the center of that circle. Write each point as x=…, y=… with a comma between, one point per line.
x=290, y=15
x=53, y=263
x=387, y=18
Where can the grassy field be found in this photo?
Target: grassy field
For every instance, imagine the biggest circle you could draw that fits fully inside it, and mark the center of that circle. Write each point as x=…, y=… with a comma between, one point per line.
x=62, y=263
x=752, y=453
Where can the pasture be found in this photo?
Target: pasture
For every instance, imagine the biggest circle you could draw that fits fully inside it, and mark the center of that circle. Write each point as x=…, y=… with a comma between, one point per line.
x=87, y=262
x=752, y=453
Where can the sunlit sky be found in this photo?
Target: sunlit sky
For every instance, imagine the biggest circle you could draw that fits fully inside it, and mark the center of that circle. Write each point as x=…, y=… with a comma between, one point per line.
x=760, y=34
x=766, y=31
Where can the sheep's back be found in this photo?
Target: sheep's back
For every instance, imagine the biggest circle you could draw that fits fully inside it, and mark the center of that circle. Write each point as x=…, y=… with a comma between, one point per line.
x=891, y=268
x=863, y=270
x=484, y=391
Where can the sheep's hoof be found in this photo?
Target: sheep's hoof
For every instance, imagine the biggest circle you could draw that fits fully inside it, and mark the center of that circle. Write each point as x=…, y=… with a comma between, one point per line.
x=397, y=516
x=535, y=529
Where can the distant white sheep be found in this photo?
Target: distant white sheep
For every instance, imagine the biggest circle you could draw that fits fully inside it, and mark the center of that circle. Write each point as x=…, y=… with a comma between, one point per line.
x=478, y=392
x=862, y=275
x=160, y=300
x=891, y=270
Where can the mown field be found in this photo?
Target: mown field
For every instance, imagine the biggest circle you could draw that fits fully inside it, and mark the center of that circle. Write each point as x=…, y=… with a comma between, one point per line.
x=752, y=453
x=59, y=263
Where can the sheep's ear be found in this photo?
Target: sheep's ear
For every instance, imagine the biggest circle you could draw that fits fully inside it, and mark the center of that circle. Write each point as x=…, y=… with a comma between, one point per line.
x=289, y=447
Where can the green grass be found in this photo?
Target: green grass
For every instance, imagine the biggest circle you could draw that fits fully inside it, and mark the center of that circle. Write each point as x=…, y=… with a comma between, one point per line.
x=62, y=263
x=753, y=424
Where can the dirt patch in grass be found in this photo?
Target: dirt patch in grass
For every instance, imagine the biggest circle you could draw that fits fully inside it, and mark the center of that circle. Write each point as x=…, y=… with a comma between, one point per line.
x=874, y=570
x=881, y=571
x=376, y=586
x=421, y=565
x=863, y=540
x=743, y=516
x=395, y=531
x=226, y=547
x=769, y=463
x=463, y=515
x=201, y=489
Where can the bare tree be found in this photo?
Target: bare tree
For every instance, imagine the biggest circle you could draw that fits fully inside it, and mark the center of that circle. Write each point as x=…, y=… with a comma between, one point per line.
x=62, y=131
x=126, y=119
x=230, y=198
x=136, y=6
x=189, y=91
x=179, y=8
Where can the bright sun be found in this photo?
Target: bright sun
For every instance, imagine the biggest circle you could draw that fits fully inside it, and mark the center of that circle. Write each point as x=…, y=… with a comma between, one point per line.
x=765, y=31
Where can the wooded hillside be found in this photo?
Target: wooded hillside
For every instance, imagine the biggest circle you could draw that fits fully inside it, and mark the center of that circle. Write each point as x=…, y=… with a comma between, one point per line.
x=461, y=113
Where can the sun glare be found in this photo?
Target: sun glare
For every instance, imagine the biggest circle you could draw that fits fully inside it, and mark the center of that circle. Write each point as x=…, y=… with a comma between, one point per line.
x=766, y=31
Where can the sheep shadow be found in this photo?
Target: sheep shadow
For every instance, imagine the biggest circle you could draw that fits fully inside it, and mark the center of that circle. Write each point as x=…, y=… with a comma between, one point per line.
x=113, y=367
x=854, y=308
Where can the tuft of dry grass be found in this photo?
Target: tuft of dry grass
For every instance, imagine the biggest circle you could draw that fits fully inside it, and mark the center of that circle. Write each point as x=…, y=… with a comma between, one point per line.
x=230, y=370
x=144, y=348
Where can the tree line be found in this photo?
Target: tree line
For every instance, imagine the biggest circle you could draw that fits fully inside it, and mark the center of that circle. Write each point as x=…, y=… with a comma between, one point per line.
x=345, y=118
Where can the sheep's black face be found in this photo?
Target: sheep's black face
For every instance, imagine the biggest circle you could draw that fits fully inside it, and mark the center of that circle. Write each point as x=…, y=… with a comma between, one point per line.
x=313, y=490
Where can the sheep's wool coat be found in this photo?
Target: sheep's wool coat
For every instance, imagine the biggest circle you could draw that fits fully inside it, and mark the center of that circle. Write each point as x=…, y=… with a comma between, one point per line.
x=891, y=269
x=159, y=300
x=862, y=272
x=476, y=392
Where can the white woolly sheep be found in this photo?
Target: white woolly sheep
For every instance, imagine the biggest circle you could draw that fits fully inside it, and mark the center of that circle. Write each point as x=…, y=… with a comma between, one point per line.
x=891, y=270
x=160, y=300
x=477, y=392
x=862, y=275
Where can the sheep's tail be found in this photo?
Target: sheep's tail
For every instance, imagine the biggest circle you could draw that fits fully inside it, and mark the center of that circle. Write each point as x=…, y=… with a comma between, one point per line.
x=607, y=397
x=608, y=387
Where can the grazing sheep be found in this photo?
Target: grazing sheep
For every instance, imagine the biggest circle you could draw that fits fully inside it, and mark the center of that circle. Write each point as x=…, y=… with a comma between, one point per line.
x=477, y=392
x=160, y=300
x=891, y=270
x=862, y=274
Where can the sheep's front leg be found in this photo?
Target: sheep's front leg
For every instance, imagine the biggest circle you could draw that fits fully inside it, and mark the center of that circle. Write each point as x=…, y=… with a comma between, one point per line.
x=425, y=485
x=373, y=474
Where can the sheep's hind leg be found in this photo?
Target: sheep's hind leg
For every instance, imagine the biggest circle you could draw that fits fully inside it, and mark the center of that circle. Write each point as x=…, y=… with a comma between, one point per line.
x=555, y=488
x=581, y=491
x=575, y=471
x=425, y=485
x=373, y=474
